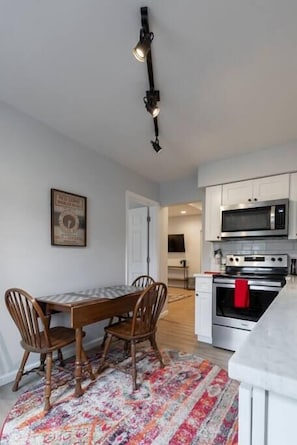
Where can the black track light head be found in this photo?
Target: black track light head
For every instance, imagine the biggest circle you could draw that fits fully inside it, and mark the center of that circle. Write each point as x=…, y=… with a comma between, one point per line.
x=143, y=46
x=156, y=145
x=141, y=52
x=150, y=100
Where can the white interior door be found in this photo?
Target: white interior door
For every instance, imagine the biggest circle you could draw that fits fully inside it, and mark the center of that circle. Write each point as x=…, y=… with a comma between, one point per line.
x=138, y=243
x=143, y=237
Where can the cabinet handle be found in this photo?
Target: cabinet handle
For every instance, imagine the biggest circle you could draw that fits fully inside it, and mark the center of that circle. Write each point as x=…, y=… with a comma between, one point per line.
x=249, y=199
x=197, y=294
x=218, y=236
x=255, y=199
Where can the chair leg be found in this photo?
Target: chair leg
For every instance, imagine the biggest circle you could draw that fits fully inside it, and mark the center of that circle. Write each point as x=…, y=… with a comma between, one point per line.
x=42, y=362
x=133, y=364
x=87, y=364
x=48, y=378
x=61, y=358
x=105, y=352
x=20, y=371
x=156, y=349
x=105, y=334
x=126, y=347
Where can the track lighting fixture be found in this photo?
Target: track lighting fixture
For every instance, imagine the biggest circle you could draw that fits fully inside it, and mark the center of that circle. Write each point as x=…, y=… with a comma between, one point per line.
x=141, y=52
x=156, y=145
x=143, y=47
x=150, y=100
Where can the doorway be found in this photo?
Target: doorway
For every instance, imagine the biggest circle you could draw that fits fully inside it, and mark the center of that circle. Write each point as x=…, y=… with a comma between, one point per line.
x=185, y=220
x=142, y=237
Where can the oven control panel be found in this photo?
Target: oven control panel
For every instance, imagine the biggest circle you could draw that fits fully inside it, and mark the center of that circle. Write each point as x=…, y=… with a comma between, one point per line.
x=278, y=260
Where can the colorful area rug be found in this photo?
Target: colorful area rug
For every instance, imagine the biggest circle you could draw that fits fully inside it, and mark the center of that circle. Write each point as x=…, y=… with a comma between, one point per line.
x=189, y=401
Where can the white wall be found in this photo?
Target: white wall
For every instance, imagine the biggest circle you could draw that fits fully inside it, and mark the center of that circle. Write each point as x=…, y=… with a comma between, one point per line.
x=266, y=162
x=35, y=159
x=180, y=191
x=190, y=226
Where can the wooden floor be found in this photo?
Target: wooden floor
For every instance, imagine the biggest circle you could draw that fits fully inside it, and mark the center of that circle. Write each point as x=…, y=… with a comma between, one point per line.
x=175, y=331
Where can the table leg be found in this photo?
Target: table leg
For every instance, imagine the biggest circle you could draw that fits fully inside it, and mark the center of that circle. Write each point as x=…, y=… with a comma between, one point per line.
x=78, y=366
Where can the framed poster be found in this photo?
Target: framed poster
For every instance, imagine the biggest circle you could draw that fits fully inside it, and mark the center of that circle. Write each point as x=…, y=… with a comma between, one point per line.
x=68, y=219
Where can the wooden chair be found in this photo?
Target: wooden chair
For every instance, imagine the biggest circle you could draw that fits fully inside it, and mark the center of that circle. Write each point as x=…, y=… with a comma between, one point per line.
x=141, y=281
x=37, y=336
x=142, y=326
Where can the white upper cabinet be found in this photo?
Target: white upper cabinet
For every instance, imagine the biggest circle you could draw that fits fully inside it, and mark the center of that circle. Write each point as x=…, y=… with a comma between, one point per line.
x=262, y=189
x=213, y=200
x=272, y=187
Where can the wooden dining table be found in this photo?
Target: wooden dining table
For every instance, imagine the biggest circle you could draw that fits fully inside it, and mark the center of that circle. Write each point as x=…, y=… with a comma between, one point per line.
x=90, y=306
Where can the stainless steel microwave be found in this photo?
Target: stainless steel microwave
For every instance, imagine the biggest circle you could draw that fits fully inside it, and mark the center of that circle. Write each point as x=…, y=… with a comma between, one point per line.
x=255, y=220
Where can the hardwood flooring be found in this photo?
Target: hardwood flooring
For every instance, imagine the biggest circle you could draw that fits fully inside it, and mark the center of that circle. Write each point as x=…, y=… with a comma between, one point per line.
x=175, y=331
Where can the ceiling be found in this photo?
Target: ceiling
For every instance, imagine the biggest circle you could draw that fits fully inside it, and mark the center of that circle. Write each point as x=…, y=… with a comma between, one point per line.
x=189, y=209
x=226, y=71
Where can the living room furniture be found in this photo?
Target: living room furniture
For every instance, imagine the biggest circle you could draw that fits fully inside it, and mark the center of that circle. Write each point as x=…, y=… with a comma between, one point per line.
x=177, y=275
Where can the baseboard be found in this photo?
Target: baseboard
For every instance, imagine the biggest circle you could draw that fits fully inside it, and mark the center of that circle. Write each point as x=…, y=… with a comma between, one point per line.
x=68, y=352
x=164, y=313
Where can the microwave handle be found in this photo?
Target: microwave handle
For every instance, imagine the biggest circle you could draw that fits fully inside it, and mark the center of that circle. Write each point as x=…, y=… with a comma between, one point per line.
x=272, y=217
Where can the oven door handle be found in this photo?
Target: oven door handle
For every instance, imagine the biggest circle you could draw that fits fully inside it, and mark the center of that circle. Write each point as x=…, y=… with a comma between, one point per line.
x=265, y=288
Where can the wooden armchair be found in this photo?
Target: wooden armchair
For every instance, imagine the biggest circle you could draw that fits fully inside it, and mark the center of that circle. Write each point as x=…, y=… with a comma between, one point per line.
x=142, y=326
x=37, y=336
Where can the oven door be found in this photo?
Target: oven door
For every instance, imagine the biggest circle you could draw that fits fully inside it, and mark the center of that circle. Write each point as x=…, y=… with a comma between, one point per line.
x=225, y=314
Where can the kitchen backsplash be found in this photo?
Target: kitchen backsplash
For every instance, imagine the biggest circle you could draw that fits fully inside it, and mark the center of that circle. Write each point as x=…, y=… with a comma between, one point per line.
x=257, y=246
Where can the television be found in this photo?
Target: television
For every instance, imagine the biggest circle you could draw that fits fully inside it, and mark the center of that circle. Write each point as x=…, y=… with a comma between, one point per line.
x=176, y=243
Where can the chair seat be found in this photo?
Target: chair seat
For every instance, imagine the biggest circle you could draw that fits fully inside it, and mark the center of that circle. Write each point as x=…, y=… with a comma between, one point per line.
x=60, y=336
x=123, y=330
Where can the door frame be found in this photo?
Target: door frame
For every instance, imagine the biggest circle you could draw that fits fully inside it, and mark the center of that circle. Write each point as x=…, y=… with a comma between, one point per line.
x=134, y=200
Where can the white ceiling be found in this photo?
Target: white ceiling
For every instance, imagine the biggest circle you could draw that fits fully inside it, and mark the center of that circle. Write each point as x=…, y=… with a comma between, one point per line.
x=226, y=71
x=181, y=210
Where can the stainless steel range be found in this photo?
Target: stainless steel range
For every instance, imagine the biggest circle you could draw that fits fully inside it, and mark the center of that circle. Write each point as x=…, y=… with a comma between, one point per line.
x=263, y=276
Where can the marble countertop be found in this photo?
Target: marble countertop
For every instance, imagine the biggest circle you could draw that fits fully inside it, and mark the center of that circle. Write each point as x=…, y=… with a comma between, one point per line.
x=268, y=357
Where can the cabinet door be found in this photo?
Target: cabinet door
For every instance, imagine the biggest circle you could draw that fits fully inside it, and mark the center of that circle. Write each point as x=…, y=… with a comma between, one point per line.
x=245, y=414
x=203, y=322
x=271, y=187
x=212, y=222
x=293, y=207
x=238, y=192
x=262, y=189
x=203, y=308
